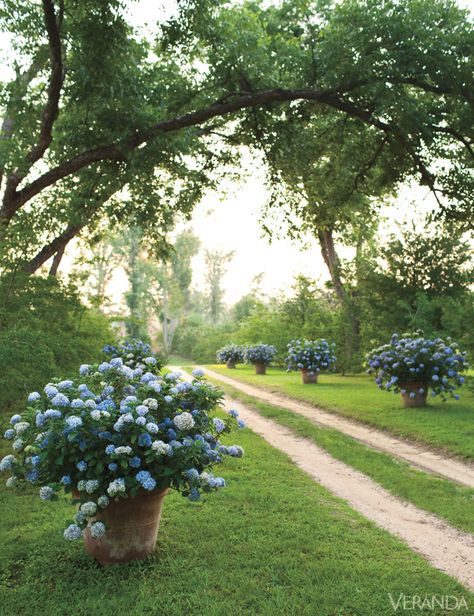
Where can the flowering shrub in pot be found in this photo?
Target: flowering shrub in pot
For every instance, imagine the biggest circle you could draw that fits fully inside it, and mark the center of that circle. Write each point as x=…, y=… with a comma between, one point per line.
x=133, y=352
x=230, y=355
x=411, y=364
x=311, y=357
x=117, y=439
x=260, y=355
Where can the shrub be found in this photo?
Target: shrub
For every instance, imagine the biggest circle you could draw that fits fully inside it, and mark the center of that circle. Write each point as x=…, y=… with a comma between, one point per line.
x=116, y=432
x=312, y=355
x=412, y=358
x=259, y=353
x=44, y=331
x=230, y=352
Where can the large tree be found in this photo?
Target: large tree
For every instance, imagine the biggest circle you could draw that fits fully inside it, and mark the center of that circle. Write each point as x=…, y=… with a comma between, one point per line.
x=94, y=112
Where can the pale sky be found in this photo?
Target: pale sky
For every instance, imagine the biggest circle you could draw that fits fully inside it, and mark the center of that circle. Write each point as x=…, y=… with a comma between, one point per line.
x=230, y=223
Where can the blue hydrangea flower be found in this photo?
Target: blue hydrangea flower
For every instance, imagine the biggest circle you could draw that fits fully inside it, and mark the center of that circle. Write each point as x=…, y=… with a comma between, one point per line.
x=144, y=440
x=135, y=462
x=73, y=532
x=66, y=480
x=194, y=494
x=34, y=396
x=60, y=400
x=219, y=425
x=81, y=465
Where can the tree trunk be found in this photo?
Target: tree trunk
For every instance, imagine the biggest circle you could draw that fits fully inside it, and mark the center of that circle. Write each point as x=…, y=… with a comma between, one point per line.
x=331, y=258
x=56, y=261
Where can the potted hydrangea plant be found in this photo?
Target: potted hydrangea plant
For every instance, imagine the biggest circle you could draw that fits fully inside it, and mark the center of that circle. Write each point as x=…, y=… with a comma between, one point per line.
x=117, y=439
x=310, y=357
x=230, y=355
x=260, y=355
x=411, y=364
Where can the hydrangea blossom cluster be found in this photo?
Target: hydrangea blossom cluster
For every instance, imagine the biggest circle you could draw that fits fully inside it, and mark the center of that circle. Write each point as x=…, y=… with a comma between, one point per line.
x=230, y=353
x=313, y=355
x=115, y=432
x=260, y=354
x=133, y=353
x=411, y=358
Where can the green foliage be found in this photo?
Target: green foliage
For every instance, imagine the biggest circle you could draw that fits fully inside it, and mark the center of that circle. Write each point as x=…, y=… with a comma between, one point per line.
x=44, y=331
x=423, y=282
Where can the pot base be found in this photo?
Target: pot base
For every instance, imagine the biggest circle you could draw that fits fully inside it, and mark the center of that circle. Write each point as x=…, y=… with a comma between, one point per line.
x=308, y=377
x=419, y=399
x=132, y=527
x=260, y=368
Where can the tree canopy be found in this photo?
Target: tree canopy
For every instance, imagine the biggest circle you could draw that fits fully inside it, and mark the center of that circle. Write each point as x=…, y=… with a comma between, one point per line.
x=99, y=121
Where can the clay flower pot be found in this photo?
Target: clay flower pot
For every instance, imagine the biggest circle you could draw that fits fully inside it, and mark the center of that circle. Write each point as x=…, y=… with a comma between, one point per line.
x=260, y=368
x=308, y=377
x=414, y=386
x=132, y=527
x=230, y=364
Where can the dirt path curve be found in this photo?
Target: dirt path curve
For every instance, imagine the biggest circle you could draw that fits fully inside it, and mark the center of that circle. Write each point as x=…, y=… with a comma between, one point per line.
x=416, y=455
x=444, y=547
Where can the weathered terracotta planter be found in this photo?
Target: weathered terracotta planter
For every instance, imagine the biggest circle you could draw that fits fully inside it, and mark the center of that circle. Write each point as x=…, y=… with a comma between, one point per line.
x=414, y=386
x=132, y=527
x=309, y=377
x=230, y=364
x=260, y=368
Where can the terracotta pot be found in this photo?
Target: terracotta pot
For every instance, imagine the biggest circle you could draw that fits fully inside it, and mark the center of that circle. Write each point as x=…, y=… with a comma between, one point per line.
x=260, y=368
x=132, y=527
x=309, y=377
x=230, y=364
x=414, y=386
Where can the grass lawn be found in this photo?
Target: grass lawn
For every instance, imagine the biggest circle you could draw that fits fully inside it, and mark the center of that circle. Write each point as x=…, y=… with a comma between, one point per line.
x=273, y=542
x=444, y=498
x=448, y=426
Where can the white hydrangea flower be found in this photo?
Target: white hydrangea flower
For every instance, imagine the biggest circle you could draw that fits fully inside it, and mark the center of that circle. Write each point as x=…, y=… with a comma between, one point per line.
x=161, y=448
x=103, y=501
x=151, y=403
x=46, y=493
x=95, y=415
x=184, y=421
x=97, y=530
x=81, y=485
x=21, y=427
x=72, y=532
x=11, y=481
x=91, y=485
x=18, y=444
x=115, y=487
x=124, y=450
x=89, y=508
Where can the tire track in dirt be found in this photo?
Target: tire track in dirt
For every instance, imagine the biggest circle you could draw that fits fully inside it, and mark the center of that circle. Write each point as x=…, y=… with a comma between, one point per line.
x=416, y=455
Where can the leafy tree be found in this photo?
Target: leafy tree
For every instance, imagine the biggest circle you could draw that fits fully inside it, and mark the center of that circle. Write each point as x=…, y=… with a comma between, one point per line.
x=174, y=285
x=422, y=281
x=215, y=270
x=94, y=112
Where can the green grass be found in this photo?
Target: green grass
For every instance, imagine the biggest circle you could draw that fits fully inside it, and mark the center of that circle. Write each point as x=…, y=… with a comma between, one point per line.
x=273, y=542
x=444, y=498
x=448, y=426
x=177, y=360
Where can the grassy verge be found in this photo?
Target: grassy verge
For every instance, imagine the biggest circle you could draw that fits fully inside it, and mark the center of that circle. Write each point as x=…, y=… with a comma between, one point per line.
x=273, y=543
x=447, y=426
x=444, y=498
